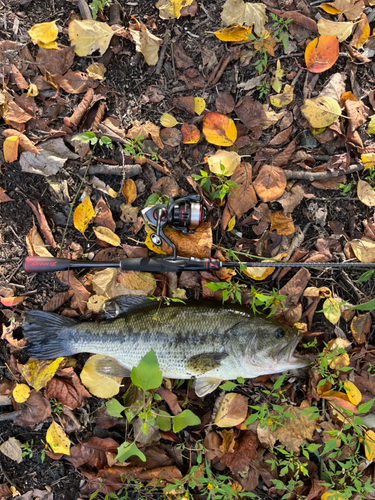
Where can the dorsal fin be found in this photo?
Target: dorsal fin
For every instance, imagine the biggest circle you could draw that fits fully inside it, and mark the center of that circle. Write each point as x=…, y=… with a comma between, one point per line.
x=125, y=304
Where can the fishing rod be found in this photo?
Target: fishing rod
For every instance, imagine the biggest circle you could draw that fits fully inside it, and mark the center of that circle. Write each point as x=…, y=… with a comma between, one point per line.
x=185, y=215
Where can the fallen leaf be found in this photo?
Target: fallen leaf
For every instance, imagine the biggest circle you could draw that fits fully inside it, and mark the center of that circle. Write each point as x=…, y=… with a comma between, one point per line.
x=231, y=223
x=36, y=409
x=105, y=234
x=112, y=282
x=291, y=199
x=104, y=215
x=38, y=372
x=129, y=190
x=11, y=301
x=198, y=244
x=224, y=103
x=190, y=134
x=369, y=445
x=283, y=224
x=360, y=327
x=146, y=130
x=75, y=82
x=229, y=441
x=21, y=393
x=52, y=157
x=12, y=449
x=168, y=120
x=67, y=389
x=10, y=148
x=228, y=159
x=96, y=71
x=237, y=12
x=16, y=114
x=281, y=100
x=261, y=273
x=364, y=249
x=331, y=310
x=4, y=197
x=278, y=75
x=243, y=454
x=368, y=160
x=233, y=34
x=321, y=111
x=167, y=186
x=102, y=386
x=171, y=137
x=218, y=129
x=270, y=183
x=93, y=452
x=129, y=214
x=362, y=33
x=87, y=36
x=366, y=193
x=39, y=214
x=351, y=8
x=321, y=54
x=35, y=245
x=55, y=61
x=250, y=112
x=83, y=214
x=44, y=34
x=57, y=439
x=145, y=42
x=353, y=393
x=232, y=410
x=341, y=30
x=199, y=105
x=171, y=9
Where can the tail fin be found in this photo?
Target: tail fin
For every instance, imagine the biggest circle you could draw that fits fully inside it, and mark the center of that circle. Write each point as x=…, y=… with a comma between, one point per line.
x=47, y=334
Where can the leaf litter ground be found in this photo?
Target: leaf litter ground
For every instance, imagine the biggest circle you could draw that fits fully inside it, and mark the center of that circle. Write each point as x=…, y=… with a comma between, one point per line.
x=137, y=93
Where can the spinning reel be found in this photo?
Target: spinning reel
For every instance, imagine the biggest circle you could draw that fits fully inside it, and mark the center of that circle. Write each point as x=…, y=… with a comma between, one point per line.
x=184, y=214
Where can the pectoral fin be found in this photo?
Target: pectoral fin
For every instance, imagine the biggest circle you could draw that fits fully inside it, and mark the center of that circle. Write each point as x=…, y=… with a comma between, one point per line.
x=109, y=366
x=203, y=363
x=205, y=385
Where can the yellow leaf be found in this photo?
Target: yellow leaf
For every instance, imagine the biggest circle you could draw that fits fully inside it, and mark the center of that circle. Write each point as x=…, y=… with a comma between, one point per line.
x=283, y=224
x=364, y=36
x=234, y=34
x=219, y=129
x=180, y=4
x=370, y=445
x=368, y=160
x=100, y=385
x=371, y=126
x=83, y=214
x=151, y=246
x=32, y=90
x=351, y=8
x=21, y=393
x=341, y=30
x=249, y=14
x=199, y=105
x=38, y=372
x=57, y=439
x=364, y=250
x=96, y=71
x=353, y=393
x=44, y=34
x=232, y=411
x=331, y=310
x=231, y=223
x=10, y=148
x=279, y=73
x=281, y=100
x=87, y=36
x=330, y=10
x=223, y=158
x=171, y=9
x=261, y=273
x=168, y=120
x=146, y=43
x=96, y=302
x=112, y=282
x=105, y=234
x=365, y=193
x=321, y=111
x=129, y=190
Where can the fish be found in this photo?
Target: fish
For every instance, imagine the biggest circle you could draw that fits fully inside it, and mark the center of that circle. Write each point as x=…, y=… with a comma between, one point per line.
x=202, y=340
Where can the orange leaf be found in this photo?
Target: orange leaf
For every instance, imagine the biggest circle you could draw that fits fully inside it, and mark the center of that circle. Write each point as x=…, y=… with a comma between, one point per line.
x=360, y=327
x=283, y=224
x=11, y=301
x=234, y=34
x=25, y=143
x=321, y=54
x=10, y=148
x=219, y=129
x=190, y=133
x=83, y=214
x=129, y=191
x=270, y=183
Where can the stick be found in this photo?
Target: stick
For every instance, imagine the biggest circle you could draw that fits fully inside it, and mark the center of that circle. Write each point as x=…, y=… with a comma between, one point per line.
x=130, y=170
x=163, y=51
x=84, y=9
x=317, y=176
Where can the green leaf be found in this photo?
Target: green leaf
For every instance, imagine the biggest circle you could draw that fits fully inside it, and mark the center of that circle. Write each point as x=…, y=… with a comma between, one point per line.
x=114, y=408
x=147, y=374
x=365, y=276
x=153, y=199
x=228, y=386
x=330, y=445
x=240, y=380
x=367, y=306
x=279, y=382
x=157, y=397
x=86, y=138
x=126, y=450
x=185, y=419
x=366, y=407
x=164, y=423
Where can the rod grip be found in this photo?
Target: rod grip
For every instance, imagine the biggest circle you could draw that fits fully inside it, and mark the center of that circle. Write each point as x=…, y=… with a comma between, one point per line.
x=45, y=264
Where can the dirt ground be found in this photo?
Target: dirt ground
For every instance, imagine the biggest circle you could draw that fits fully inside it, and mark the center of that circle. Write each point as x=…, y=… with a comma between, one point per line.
x=324, y=214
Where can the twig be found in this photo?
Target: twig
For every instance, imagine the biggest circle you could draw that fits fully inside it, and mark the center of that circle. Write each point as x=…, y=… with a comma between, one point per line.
x=130, y=170
x=315, y=176
x=81, y=109
x=158, y=167
x=163, y=51
x=12, y=415
x=84, y=9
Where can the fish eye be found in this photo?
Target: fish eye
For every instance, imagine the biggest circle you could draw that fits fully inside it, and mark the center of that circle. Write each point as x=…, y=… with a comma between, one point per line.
x=279, y=334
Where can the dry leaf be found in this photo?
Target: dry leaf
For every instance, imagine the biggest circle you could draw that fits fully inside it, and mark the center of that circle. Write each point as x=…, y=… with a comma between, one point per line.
x=171, y=9
x=283, y=99
x=198, y=244
x=351, y=8
x=283, y=224
x=366, y=193
x=38, y=372
x=21, y=393
x=321, y=111
x=168, y=120
x=102, y=386
x=218, y=129
x=83, y=215
x=243, y=455
x=87, y=36
x=190, y=133
x=360, y=327
x=112, y=282
x=12, y=449
x=67, y=389
x=237, y=12
x=270, y=183
x=364, y=249
x=331, y=310
x=96, y=71
x=57, y=439
x=52, y=157
x=232, y=410
x=11, y=301
x=146, y=43
x=199, y=105
x=35, y=245
x=10, y=148
x=341, y=30
x=233, y=34
x=228, y=159
x=44, y=34
x=147, y=130
x=129, y=214
x=4, y=197
x=105, y=234
x=261, y=273
x=321, y=53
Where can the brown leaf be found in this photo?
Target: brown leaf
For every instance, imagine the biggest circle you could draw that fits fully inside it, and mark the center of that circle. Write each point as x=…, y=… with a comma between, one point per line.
x=5, y=491
x=16, y=114
x=75, y=82
x=18, y=78
x=285, y=156
x=262, y=214
x=35, y=245
x=55, y=61
x=228, y=441
x=282, y=137
x=283, y=224
x=198, y=244
x=332, y=183
x=129, y=191
x=224, y=103
x=39, y=214
x=167, y=186
x=171, y=137
x=244, y=453
x=232, y=410
x=250, y=112
x=108, y=480
x=293, y=290
x=4, y=197
x=360, y=327
x=93, y=452
x=57, y=301
x=104, y=215
x=291, y=199
x=184, y=104
x=181, y=58
x=170, y=398
x=36, y=409
x=270, y=183
x=146, y=130
x=297, y=17
x=356, y=111
x=103, y=420
x=212, y=442
x=66, y=387
x=81, y=295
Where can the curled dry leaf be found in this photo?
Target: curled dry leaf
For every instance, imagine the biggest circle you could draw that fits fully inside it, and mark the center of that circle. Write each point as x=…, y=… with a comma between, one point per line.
x=129, y=190
x=104, y=215
x=360, y=327
x=39, y=214
x=281, y=100
x=232, y=410
x=36, y=409
x=105, y=234
x=35, y=245
x=146, y=130
x=270, y=183
x=87, y=36
x=228, y=159
x=243, y=454
x=67, y=389
x=351, y=8
x=218, y=129
x=145, y=42
x=321, y=53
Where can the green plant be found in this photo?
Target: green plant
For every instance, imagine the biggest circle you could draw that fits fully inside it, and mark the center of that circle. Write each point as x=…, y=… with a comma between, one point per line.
x=280, y=29
x=27, y=449
x=90, y=138
x=324, y=360
x=366, y=276
x=56, y=406
x=263, y=89
x=140, y=400
x=97, y=5
x=217, y=186
x=271, y=301
x=230, y=290
x=260, y=50
x=134, y=148
x=155, y=199
x=346, y=188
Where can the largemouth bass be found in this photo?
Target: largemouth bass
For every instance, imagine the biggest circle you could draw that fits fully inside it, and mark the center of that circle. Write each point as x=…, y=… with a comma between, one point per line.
x=204, y=340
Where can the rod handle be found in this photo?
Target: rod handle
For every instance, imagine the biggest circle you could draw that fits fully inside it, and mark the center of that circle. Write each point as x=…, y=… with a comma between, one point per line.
x=45, y=264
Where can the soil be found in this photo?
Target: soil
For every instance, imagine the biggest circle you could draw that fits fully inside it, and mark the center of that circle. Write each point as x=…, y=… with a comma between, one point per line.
x=127, y=80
